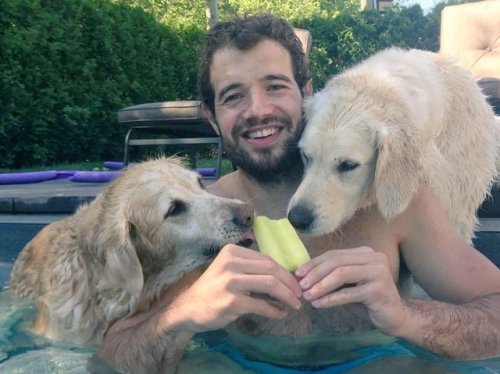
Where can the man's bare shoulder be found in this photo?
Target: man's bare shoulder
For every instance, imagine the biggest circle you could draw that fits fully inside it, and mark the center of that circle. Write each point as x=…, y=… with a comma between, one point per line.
x=226, y=186
x=424, y=207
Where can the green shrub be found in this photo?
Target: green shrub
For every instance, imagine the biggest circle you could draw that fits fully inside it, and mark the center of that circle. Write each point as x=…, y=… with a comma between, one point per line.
x=66, y=67
x=350, y=37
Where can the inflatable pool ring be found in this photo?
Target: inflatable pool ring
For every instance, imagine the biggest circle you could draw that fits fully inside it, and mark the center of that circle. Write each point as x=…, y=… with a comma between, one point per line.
x=206, y=172
x=27, y=177
x=113, y=165
x=78, y=176
x=94, y=176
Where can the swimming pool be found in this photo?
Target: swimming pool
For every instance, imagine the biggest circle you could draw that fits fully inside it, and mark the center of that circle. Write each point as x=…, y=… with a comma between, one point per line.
x=22, y=352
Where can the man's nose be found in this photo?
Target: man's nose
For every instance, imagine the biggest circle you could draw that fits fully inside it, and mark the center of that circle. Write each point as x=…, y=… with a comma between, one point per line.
x=258, y=105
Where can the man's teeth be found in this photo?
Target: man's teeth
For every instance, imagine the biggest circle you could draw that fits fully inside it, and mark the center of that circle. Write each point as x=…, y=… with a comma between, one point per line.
x=262, y=133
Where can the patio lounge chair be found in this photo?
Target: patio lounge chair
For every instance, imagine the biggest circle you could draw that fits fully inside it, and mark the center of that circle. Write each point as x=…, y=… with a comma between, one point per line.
x=179, y=122
x=470, y=33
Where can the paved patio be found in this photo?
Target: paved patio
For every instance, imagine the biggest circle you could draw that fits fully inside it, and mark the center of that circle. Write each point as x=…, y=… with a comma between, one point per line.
x=57, y=196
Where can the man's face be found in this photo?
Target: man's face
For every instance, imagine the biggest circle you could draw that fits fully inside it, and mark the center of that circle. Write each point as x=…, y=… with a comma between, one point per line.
x=258, y=107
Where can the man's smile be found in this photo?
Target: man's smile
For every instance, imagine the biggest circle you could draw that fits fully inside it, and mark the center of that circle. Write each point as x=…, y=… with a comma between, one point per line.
x=261, y=133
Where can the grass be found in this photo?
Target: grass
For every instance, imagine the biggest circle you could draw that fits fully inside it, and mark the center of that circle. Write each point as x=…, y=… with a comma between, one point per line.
x=227, y=166
x=205, y=157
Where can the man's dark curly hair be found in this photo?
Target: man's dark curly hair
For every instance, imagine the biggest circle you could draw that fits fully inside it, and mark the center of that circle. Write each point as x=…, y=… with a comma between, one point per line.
x=243, y=34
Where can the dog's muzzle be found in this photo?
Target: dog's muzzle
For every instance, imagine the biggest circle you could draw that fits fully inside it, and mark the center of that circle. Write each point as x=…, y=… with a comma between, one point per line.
x=301, y=217
x=211, y=252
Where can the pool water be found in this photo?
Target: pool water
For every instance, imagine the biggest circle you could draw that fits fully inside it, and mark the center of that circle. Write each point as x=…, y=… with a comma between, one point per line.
x=214, y=352
x=23, y=352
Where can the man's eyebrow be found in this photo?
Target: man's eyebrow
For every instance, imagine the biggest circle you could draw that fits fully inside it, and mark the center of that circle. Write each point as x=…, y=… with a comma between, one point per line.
x=269, y=77
x=226, y=89
x=280, y=77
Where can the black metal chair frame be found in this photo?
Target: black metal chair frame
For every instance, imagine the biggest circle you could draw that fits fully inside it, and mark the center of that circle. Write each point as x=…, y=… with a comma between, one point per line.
x=172, y=141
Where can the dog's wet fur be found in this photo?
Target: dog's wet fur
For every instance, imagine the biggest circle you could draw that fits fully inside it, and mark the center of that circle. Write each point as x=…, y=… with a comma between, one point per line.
x=116, y=255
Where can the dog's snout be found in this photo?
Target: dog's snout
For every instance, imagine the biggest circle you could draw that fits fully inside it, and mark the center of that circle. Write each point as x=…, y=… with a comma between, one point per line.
x=243, y=216
x=301, y=217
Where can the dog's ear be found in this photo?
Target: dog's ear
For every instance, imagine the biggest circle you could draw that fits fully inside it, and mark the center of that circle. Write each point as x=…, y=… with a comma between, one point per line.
x=123, y=268
x=397, y=171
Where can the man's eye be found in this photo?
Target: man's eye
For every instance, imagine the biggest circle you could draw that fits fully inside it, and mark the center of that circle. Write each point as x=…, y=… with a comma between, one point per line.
x=231, y=98
x=275, y=87
x=346, y=166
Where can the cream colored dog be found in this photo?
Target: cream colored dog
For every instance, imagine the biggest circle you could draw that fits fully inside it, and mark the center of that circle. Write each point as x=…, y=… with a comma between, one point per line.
x=114, y=256
x=381, y=129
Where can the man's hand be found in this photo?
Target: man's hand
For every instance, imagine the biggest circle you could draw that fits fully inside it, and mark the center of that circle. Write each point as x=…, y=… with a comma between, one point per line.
x=224, y=290
x=199, y=302
x=358, y=275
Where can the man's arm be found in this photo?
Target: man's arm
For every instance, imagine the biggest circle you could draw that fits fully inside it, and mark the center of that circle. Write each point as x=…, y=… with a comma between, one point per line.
x=149, y=342
x=144, y=347
x=465, y=324
x=154, y=341
x=465, y=331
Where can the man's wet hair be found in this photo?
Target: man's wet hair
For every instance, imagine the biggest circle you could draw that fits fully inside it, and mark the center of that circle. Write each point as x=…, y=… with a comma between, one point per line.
x=244, y=33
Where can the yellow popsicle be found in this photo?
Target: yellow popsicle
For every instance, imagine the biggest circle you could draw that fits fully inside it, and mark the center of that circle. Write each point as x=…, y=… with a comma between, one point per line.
x=279, y=240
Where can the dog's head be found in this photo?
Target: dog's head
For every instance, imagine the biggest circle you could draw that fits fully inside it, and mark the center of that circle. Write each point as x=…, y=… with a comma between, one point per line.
x=359, y=148
x=157, y=222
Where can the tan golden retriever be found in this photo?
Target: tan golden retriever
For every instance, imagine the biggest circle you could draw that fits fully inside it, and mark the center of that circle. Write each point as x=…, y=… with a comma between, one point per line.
x=378, y=131
x=114, y=256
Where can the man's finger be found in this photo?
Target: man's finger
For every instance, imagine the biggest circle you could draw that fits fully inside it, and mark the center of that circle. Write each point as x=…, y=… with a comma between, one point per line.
x=269, y=285
x=270, y=267
x=345, y=275
x=346, y=295
x=321, y=266
x=340, y=253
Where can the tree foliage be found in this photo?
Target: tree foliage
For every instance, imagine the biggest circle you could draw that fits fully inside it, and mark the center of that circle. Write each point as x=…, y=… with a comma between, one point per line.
x=67, y=67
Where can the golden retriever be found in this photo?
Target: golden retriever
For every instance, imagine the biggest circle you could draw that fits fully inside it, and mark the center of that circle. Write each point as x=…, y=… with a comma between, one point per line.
x=378, y=131
x=113, y=257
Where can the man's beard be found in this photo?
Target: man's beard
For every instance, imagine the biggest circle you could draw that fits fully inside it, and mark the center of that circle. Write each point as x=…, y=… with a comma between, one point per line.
x=266, y=167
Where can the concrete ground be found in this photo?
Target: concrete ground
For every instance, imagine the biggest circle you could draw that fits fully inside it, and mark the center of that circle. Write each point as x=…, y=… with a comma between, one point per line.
x=49, y=197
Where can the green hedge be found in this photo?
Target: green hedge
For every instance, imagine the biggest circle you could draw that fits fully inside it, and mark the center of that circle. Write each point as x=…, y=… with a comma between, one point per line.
x=67, y=67
x=348, y=38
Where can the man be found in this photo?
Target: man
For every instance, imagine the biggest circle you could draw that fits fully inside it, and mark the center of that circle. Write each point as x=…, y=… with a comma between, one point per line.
x=253, y=79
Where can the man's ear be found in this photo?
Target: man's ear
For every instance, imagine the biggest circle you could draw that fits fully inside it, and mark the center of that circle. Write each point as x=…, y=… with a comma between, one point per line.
x=307, y=90
x=210, y=117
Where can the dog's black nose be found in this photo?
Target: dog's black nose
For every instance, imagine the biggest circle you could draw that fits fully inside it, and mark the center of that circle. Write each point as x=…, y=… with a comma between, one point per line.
x=301, y=217
x=243, y=216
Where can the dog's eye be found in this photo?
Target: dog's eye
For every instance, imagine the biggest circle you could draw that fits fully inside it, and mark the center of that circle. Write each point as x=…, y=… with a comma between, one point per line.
x=176, y=207
x=305, y=158
x=346, y=166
